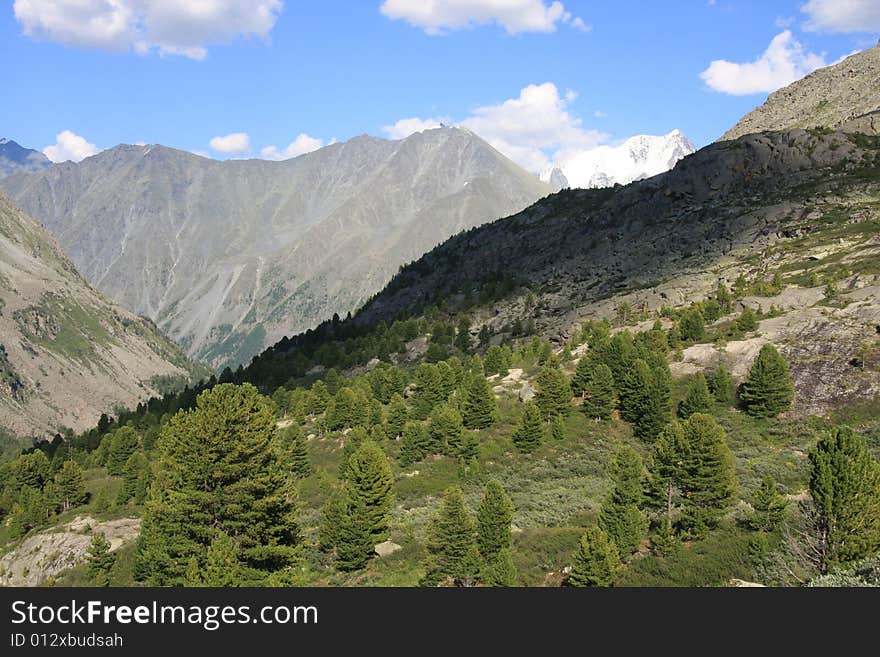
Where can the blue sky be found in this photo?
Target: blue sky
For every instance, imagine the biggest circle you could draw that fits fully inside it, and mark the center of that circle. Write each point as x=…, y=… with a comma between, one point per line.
x=594, y=72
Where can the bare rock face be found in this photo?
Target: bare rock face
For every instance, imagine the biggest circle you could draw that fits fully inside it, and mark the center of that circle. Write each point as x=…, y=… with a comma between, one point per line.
x=67, y=354
x=386, y=548
x=826, y=98
x=55, y=550
x=229, y=257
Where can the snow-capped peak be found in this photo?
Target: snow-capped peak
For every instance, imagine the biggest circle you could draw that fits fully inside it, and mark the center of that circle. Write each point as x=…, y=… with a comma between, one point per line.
x=641, y=156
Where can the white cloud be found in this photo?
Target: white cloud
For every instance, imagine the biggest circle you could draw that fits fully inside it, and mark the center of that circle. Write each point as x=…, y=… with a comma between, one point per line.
x=784, y=61
x=69, y=146
x=405, y=127
x=599, y=114
x=169, y=27
x=534, y=128
x=515, y=16
x=842, y=15
x=783, y=22
x=300, y=146
x=231, y=144
x=578, y=24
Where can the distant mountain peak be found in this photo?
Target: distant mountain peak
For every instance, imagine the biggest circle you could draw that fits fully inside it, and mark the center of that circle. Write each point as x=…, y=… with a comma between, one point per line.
x=640, y=156
x=15, y=158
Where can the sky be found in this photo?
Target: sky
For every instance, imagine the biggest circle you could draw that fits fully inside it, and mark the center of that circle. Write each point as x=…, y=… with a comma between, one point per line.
x=538, y=79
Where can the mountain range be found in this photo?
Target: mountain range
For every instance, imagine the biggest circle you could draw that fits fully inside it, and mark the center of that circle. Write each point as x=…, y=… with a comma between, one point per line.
x=67, y=354
x=637, y=158
x=15, y=158
x=227, y=257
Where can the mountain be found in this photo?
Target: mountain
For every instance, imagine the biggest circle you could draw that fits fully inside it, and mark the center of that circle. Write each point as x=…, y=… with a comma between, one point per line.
x=637, y=158
x=825, y=98
x=17, y=159
x=67, y=354
x=227, y=257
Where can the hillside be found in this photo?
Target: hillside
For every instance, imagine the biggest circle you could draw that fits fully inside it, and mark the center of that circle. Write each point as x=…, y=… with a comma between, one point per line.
x=227, y=257
x=67, y=354
x=825, y=98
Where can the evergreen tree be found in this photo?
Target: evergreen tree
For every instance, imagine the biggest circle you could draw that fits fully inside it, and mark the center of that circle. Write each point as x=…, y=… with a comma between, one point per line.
x=452, y=543
x=32, y=470
x=353, y=440
x=350, y=408
x=371, y=488
x=845, y=486
x=356, y=541
x=722, y=386
x=479, y=409
x=621, y=516
x=397, y=416
x=597, y=562
x=428, y=390
x=123, y=445
x=470, y=449
x=580, y=380
x=601, y=394
x=136, y=476
x=667, y=470
x=445, y=427
x=768, y=390
x=724, y=297
x=746, y=322
x=692, y=326
x=416, y=443
x=768, y=506
x=659, y=407
x=635, y=393
x=319, y=398
x=494, y=516
x=500, y=571
x=618, y=353
x=222, y=566
x=528, y=435
x=100, y=561
x=708, y=473
x=294, y=441
x=71, y=488
x=494, y=362
x=556, y=428
x=219, y=469
x=333, y=515
x=553, y=395
x=697, y=398
x=463, y=335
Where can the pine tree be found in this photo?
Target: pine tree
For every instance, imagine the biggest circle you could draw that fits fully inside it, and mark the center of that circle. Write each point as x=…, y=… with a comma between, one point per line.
x=445, y=427
x=845, y=486
x=428, y=390
x=621, y=516
x=219, y=468
x=530, y=432
x=553, y=395
x=556, y=428
x=495, y=361
x=667, y=470
x=500, y=571
x=479, y=409
x=352, y=441
x=708, y=473
x=371, y=488
x=635, y=392
x=768, y=390
x=136, y=478
x=746, y=322
x=463, y=335
x=597, y=562
x=333, y=515
x=659, y=407
x=123, y=445
x=494, y=516
x=580, y=380
x=71, y=487
x=355, y=545
x=768, y=506
x=470, y=449
x=294, y=441
x=601, y=396
x=724, y=297
x=100, y=560
x=722, y=385
x=222, y=566
x=692, y=326
x=319, y=398
x=416, y=443
x=452, y=543
x=397, y=416
x=697, y=398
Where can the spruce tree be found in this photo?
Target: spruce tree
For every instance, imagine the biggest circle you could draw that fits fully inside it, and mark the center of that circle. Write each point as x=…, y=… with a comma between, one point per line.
x=452, y=543
x=692, y=326
x=123, y=445
x=845, y=486
x=479, y=409
x=530, y=432
x=500, y=570
x=371, y=488
x=722, y=386
x=621, y=516
x=635, y=392
x=553, y=395
x=415, y=445
x=71, y=487
x=697, y=398
x=428, y=390
x=333, y=515
x=667, y=469
x=659, y=407
x=100, y=560
x=494, y=516
x=580, y=380
x=352, y=441
x=708, y=473
x=596, y=562
x=768, y=506
x=768, y=390
x=294, y=441
x=355, y=544
x=494, y=362
x=219, y=468
x=396, y=417
x=445, y=427
x=136, y=477
x=601, y=395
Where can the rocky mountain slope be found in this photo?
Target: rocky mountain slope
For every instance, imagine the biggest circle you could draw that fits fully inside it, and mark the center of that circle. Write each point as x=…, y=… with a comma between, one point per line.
x=637, y=158
x=825, y=98
x=15, y=158
x=67, y=354
x=227, y=257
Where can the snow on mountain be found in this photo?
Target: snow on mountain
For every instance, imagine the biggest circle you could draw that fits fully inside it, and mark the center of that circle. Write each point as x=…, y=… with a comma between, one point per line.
x=638, y=157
